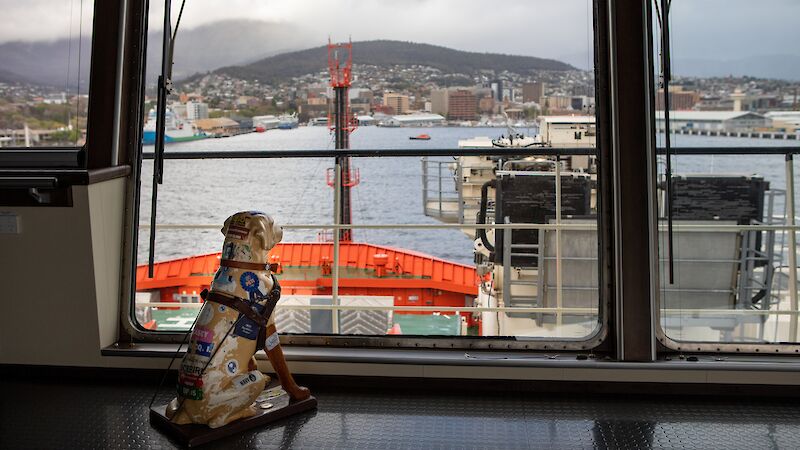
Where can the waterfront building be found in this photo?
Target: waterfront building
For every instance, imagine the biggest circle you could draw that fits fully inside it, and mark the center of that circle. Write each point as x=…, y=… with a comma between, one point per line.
x=730, y=121
x=786, y=121
x=486, y=105
x=413, y=120
x=679, y=100
x=196, y=110
x=556, y=102
x=439, y=101
x=398, y=102
x=461, y=105
x=179, y=110
x=497, y=90
x=360, y=106
x=532, y=92
x=219, y=126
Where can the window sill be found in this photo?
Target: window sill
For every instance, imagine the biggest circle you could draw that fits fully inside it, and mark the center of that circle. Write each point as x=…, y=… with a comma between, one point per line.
x=479, y=358
x=68, y=177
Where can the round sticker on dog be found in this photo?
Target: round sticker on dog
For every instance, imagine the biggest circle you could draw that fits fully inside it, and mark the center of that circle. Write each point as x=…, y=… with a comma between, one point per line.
x=206, y=315
x=249, y=282
x=232, y=366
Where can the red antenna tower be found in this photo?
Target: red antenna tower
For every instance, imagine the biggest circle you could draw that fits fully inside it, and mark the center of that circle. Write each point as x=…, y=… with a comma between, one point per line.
x=342, y=122
x=340, y=67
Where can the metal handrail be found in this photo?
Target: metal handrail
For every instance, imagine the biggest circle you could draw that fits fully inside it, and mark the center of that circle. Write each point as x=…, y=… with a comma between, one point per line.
x=494, y=151
x=375, y=153
x=543, y=310
x=477, y=226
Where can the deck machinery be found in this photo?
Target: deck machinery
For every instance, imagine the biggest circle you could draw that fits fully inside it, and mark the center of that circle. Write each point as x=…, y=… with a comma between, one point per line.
x=554, y=273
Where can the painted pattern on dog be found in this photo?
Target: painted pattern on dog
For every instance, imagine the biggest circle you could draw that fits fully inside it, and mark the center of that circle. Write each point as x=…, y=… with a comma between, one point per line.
x=231, y=381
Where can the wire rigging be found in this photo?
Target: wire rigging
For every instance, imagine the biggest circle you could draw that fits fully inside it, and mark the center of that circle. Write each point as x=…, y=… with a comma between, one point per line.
x=69, y=59
x=666, y=76
x=78, y=86
x=164, y=89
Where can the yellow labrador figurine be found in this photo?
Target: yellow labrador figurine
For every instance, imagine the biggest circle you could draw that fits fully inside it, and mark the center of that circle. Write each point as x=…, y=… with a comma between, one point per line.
x=218, y=378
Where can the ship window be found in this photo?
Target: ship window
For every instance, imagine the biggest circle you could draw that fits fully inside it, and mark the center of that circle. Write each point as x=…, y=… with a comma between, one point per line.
x=402, y=209
x=728, y=267
x=44, y=79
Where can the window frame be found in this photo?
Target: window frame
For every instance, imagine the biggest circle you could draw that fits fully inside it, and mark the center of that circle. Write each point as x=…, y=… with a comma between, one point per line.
x=667, y=345
x=596, y=342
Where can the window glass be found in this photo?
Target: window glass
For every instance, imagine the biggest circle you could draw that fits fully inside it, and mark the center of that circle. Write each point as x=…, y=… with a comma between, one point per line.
x=45, y=50
x=730, y=274
x=413, y=262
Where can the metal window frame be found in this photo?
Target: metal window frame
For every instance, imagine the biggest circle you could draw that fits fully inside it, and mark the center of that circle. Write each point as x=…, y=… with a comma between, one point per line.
x=105, y=113
x=668, y=345
x=606, y=16
x=590, y=342
x=131, y=331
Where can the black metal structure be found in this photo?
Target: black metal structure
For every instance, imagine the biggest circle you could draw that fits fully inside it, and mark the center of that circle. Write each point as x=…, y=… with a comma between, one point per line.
x=161, y=111
x=666, y=78
x=634, y=194
x=342, y=142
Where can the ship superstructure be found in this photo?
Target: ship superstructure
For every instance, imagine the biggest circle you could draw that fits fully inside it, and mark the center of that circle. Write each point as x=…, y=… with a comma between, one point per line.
x=542, y=261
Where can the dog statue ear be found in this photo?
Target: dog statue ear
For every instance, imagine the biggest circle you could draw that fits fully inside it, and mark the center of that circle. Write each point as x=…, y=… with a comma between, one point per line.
x=260, y=234
x=261, y=237
x=225, y=226
x=277, y=233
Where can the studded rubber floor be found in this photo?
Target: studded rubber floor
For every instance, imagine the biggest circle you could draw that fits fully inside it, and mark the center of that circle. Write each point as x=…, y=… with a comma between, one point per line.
x=100, y=415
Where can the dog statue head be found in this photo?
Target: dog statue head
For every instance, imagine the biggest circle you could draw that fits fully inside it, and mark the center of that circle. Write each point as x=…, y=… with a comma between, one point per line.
x=249, y=236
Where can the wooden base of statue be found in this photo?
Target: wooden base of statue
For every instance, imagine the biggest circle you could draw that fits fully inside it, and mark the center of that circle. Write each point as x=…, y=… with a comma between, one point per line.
x=273, y=404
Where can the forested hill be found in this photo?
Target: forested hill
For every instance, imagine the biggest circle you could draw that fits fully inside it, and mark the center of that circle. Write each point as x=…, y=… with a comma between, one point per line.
x=389, y=53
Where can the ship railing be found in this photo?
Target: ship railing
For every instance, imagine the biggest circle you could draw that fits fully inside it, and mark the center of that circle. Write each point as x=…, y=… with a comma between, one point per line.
x=441, y=196
x=556, y=312
x=789, y=227
x=285, y=306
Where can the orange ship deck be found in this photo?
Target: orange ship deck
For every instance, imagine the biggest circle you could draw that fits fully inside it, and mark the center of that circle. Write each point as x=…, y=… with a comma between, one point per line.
x=412, y=278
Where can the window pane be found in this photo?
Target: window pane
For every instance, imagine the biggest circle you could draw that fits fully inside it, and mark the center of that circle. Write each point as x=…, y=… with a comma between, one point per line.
x=45, y=49
x=730, y=277
x=414, y=263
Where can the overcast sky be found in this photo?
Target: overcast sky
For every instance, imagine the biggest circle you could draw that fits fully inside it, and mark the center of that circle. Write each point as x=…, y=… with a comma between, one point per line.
x=714, y=29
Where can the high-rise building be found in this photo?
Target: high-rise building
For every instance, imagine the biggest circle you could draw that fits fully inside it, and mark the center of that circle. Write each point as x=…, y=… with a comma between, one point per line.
x=532, y=92
x=196, y=110
x=461, y=105
x=557, y=102
x=486, y=105
x=679, y=100
x=398, y=102
x=439, y=101
x=497, y=90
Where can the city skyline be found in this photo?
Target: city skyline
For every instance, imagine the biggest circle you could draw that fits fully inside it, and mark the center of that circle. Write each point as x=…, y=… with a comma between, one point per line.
x=711, y=30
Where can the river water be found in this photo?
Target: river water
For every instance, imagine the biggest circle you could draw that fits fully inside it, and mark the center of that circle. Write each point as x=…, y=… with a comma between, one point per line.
x=294, y=190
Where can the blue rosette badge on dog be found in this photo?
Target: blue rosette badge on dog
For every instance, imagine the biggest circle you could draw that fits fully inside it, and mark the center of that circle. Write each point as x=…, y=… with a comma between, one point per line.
x=249, y=282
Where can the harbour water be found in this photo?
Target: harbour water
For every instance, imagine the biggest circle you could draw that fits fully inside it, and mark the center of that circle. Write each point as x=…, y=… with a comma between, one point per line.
x=294, y=191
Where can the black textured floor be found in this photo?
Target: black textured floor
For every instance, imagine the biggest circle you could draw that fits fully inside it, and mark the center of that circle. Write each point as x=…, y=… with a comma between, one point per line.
x=79, y=415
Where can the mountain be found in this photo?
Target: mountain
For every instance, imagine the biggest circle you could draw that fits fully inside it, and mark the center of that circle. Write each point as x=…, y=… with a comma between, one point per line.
x=47, y=62
x=777, y=66
x=198, y=49
x=11, y=77
x=387, y=53
x=223, y=43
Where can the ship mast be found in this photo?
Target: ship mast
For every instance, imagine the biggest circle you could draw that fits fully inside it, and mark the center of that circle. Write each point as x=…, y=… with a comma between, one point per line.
x=341, y=122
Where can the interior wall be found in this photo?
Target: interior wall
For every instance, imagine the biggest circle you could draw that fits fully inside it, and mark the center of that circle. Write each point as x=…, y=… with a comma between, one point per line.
x=61, y=272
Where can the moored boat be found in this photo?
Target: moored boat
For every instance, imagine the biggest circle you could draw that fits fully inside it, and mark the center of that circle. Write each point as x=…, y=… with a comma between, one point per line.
x=175, y=130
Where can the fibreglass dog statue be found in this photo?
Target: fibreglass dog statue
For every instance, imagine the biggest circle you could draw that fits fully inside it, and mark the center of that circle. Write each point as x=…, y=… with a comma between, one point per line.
x=218, y=378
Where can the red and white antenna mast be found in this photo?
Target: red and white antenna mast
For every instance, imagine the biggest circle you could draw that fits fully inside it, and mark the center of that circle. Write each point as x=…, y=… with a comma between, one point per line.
x=342, y=122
